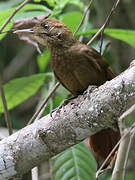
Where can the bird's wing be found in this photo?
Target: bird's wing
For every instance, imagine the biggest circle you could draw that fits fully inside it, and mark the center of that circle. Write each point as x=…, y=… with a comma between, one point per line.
x=64, y=85
x=98, y=61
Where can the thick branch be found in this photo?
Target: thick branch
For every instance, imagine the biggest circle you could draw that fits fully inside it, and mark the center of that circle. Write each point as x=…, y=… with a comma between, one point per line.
x=79, y=119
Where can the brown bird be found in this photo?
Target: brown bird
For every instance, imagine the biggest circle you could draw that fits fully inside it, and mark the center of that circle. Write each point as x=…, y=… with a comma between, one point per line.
x=76, y=66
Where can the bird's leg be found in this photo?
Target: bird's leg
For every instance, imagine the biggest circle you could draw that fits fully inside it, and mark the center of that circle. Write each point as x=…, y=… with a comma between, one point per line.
x=63, y=103
x=90, y=89
x=66, y=101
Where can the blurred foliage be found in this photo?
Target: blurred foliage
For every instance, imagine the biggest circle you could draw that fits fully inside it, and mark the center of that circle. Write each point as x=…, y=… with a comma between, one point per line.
x=42, y=65
x=18, y=90
x=72, y=23
x=28, y=7
x=127, y=36
x=129, y=120
x=34, y=78
x=74, y=163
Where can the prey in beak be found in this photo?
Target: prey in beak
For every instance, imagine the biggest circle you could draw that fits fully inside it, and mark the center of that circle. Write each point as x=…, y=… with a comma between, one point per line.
x=50, y=33
x=32, y=31
x=28, y=36
x=24, y=31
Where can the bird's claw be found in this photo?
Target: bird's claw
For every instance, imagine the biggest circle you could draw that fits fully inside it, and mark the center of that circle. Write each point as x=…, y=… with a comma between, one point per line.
x=90, y=89
x=57, y=110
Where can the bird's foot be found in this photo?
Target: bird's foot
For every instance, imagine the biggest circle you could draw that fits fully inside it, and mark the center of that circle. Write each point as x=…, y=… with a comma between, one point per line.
x=62, y=104
x=90, y=89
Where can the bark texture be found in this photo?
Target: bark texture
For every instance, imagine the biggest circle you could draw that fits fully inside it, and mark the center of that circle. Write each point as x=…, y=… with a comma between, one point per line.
x=82, y=117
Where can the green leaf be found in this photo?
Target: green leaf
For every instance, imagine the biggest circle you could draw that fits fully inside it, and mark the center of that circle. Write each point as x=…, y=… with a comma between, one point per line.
x=130, y=174
x=32, y=7
x=37, y=0
x=43, y=60
x=28, y=14
x=9, y=4
x=74, y=163
x=32, y=10
x=78, y=3
x=3, y=16
x=51, y=2
x=60, y=95
x=59, y=6
x=127, y=36
x=28, y=7
x=72, y=19
x=20, y=89
x=129, y=121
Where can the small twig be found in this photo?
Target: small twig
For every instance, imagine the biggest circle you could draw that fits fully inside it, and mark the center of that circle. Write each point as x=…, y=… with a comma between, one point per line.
x=127, y=155
x=108, y=43
x=123, y=116
x=11, y=30
x=114, y=149
x=44, y=102
x=120, y=161
x=44, y=107
x=123, y=152
x=13, y=14
x=84, y=15
x=108, y=157
x=6, y=113
x=106, y=22
x=8, y=121
x=85, y=24
x=126, y=113
x=34, y=173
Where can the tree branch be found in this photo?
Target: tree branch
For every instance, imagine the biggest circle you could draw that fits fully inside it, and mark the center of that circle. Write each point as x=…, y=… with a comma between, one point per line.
x=6, y=113
x=82, y=117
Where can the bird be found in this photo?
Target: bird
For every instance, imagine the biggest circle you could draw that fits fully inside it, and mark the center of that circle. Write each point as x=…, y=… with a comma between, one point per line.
x=76, y=66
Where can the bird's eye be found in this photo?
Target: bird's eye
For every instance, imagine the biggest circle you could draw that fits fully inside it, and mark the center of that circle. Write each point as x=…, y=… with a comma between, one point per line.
x=46, y=26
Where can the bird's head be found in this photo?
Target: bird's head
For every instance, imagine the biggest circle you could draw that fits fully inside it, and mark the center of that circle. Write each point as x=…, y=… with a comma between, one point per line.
x=50, y=32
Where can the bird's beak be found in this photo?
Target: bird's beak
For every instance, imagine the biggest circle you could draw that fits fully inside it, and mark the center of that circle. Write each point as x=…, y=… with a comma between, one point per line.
x=24, y=31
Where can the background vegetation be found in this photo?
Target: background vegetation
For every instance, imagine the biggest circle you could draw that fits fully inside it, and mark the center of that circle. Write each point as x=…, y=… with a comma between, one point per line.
x=27, y=76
